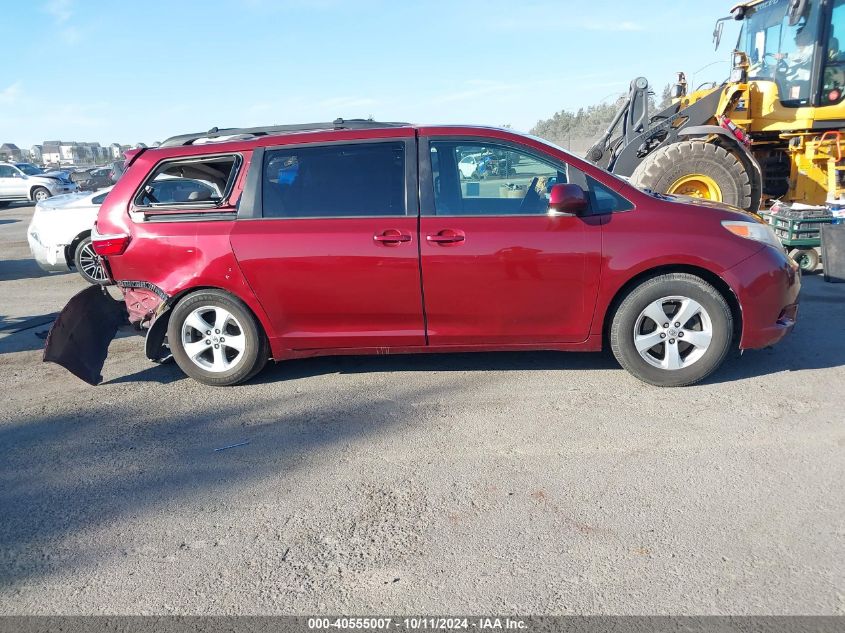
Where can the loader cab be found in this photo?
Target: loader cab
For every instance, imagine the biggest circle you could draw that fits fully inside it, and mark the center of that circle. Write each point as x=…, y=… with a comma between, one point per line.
x=796, y=45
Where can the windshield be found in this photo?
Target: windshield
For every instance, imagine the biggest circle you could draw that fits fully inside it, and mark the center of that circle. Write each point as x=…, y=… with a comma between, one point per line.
x=29, y=169
x=781, y=52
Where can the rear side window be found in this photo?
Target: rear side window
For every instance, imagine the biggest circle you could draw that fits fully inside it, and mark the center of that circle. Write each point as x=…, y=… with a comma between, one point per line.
x=197, y=182
x=355, y=180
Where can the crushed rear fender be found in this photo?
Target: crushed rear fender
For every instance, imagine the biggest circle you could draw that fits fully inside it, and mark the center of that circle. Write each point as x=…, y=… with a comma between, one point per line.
x=154, y=345
x=79, y=339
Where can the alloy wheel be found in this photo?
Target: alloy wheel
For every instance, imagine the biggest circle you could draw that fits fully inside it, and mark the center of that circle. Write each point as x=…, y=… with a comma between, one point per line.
x=213, y=339
x=673, y=332
x=90, y=266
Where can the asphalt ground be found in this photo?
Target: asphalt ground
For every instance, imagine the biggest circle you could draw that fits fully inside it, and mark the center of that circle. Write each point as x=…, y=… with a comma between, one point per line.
x=531, y=483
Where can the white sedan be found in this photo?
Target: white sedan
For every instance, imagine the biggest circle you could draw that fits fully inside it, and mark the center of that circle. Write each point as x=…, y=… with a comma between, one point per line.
x=60, y=234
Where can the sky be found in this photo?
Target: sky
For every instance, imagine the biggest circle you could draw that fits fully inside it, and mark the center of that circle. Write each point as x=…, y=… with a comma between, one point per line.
x=140, y=71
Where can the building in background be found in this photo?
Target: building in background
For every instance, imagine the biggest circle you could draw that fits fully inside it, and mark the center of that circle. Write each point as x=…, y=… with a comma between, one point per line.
x=10, y=151
x=65, y=153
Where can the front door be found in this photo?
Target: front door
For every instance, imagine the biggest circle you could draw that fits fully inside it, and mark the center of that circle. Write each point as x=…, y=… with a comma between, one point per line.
x=12, y=183
x=333, y=256
x=497, y=268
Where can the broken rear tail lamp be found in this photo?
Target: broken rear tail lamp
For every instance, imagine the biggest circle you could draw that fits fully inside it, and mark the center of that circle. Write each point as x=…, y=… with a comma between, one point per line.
x=109, y=244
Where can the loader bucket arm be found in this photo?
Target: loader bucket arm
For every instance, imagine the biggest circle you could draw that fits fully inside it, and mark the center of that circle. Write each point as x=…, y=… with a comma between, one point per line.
x=632, y=119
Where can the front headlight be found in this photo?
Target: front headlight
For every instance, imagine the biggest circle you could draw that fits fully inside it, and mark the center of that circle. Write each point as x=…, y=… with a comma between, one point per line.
x=756, y=231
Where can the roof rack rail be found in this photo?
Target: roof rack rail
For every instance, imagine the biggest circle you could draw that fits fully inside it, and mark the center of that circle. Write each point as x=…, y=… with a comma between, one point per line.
x=269, y=130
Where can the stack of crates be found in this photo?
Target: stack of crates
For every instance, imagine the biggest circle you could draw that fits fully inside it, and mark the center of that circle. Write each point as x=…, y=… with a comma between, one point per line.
x=799, y=228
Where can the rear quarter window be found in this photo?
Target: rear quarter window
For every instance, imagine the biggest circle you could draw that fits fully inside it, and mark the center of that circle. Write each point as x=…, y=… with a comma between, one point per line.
x=192, y=183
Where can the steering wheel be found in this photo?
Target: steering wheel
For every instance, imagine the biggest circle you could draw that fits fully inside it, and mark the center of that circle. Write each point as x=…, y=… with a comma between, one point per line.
x=532, y=194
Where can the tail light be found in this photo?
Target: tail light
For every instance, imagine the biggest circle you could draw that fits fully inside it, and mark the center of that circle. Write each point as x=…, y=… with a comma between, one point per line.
x=109, y=244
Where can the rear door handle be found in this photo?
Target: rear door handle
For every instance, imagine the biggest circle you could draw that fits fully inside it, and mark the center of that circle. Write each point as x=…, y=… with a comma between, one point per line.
x=392, y=237
x=446, y=236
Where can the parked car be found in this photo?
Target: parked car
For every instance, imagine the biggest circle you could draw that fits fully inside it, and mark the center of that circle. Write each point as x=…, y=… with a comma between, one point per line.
x=373, y=244
x=59, y=234
x=93, y=178
x=117, y=169
x=25, y=181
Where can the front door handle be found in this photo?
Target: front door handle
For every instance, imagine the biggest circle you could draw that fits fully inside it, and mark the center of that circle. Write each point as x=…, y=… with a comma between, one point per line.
x=446, y=237
x=391, y=237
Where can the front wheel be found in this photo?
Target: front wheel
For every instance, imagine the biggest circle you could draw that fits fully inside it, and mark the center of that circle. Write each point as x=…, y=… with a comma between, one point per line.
x=40, y=194
x=215, y=339
x=672, y=330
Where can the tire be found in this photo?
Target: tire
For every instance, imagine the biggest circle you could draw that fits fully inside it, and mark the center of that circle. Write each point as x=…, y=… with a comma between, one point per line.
x=226, y=364
x=39, y=194
x=88, y=264
x=664, y=170
x=692, y=362
x=806, y=258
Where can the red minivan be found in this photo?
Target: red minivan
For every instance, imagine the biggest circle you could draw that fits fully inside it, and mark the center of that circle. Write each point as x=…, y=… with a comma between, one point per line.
x=356, y=237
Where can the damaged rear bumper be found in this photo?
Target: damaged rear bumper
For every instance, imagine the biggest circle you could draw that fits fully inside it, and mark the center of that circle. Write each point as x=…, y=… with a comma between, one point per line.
x=79, y=339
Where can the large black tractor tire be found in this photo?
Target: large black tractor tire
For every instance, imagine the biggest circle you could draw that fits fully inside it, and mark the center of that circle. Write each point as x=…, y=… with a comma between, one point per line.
x=698, y=169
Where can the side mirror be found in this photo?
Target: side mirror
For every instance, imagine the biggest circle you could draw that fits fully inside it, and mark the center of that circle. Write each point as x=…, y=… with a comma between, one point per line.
x=567, y=199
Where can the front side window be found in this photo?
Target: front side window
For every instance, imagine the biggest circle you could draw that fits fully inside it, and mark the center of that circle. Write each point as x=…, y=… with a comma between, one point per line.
x=7, y=172
x=338, y=180
x=29, y=169
x=490, y=179
x=199, y=182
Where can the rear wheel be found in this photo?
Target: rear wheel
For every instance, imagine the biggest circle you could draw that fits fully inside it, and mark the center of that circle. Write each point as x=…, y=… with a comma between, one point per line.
x=88, y=263
x=672, y=330
x=215, y=339
x=696, y=169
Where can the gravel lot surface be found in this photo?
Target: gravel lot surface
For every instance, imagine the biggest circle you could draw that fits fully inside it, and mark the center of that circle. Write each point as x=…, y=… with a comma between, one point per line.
x=527, y=483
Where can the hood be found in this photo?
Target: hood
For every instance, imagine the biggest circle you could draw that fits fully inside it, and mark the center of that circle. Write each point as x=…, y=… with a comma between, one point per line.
x=55, y=175
x=702, y=203
x=66, y=200
x=44, y=178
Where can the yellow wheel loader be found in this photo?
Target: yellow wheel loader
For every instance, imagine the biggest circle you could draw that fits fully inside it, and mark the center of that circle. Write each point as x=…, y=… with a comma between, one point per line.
x=773, y=131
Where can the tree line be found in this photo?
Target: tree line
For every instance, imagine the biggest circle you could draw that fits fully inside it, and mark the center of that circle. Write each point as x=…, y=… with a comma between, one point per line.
x=578, y=130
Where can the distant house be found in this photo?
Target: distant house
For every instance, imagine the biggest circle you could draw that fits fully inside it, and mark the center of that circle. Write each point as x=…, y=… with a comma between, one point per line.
x=51, y=153
x=116, y=151
x=35, y=154
x=10, y=151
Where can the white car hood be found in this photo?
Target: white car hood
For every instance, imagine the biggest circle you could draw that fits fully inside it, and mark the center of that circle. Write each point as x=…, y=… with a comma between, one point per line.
x=58, y=220
x=79, y=199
